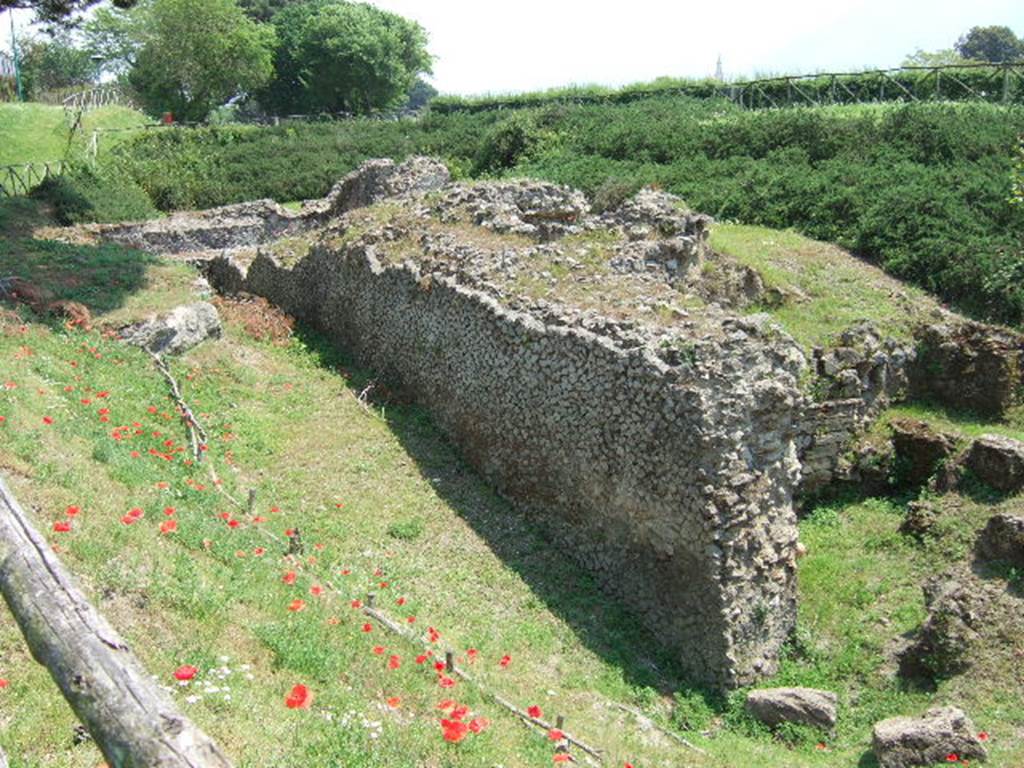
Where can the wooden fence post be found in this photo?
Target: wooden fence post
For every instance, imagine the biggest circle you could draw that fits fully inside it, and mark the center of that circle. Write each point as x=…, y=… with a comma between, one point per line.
x=133, y=722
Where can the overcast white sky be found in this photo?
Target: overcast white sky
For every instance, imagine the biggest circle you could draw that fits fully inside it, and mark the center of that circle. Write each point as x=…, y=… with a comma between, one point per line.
x=526, y=45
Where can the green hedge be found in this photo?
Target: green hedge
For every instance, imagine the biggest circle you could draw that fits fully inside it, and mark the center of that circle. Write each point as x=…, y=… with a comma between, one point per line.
x=1002, y=84
x=921, y=188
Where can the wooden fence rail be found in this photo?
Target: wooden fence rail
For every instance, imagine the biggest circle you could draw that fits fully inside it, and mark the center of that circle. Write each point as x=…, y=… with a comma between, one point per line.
x=132, y=720
x=22, y=179
x=94, y=98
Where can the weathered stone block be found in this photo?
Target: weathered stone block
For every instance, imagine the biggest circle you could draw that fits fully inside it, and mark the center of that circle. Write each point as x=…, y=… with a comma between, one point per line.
x=804, y=706
x=905, y=742
x=998, y=462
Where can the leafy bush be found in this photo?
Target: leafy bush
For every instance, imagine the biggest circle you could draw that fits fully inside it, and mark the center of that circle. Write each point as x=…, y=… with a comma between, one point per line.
x=923, y=189
x=84, y=194
x=509, y=142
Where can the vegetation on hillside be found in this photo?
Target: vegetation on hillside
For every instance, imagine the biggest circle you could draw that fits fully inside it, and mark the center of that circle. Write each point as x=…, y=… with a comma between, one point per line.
x=922, y=189
x=381, y=498
x=39, y=133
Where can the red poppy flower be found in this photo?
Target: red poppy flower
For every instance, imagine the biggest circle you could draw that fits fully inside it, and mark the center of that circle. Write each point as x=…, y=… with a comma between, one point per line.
x=316, y=590
x=72, y=511
x=136, y=513
x=555, y=735
x=357, y=604
x=394, y=662
x=233, y=523
x=433, y=634
x=290, y=533
x=421, y=658
x=47, y=420
x=3, y=683
x=3, y=419
x=400, y=601
x=275, y=510
x=259, y=552
x=458, y=712
x=62, y=526
x=346, y=572
x=258, y=520
x=952, y=757
x=983, y=736
x=411, y=619
x=479, y=724
x=296, y=605
x=367, y=627
x=505, y=661
x=446, y=682
x=103, y=394
x=563, y=757
x=289, y=578
x=535, y=712
x=185, y=672
x=454, y=730
x=300, y=697
x=334, y=621
x=127, y=520
x=168, y=526
x=446, y=705
x=472, y=653
x=395, y=702
x=439, y=666
x=169, y=511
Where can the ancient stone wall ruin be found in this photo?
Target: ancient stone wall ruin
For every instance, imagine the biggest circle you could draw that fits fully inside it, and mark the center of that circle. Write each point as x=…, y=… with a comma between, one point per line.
x=665, y=455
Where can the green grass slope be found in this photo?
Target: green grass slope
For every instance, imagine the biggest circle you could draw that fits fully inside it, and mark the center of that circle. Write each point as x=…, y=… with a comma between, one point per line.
x=32, y=133
x=384, y=505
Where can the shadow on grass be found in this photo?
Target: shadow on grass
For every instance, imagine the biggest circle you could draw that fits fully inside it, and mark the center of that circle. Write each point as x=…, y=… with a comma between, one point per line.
x=602, y=624
x=100, y=277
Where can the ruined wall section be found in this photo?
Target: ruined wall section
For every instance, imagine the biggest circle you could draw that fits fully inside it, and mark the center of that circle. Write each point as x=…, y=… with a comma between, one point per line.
x=671, y=483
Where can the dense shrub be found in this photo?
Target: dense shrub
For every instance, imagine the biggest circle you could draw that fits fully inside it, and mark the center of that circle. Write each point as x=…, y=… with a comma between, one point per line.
x=85, y=194
x=923, y=189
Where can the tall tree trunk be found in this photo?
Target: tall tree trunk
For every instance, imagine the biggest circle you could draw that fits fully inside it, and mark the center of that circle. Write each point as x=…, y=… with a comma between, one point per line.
x=134, y=723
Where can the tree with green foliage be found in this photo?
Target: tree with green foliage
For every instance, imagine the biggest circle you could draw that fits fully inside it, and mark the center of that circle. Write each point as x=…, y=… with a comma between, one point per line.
x=112, y=40
x=58, y=11
x=195, y=55
x=337, y=56
x=421, y=95
x=994, y=44
x=943, y=58
x=54, y=63
x=264, y=10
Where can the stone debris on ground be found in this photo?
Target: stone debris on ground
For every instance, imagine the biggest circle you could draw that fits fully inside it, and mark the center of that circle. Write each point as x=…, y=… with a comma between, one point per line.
x=940, y=735
x=803, y=706
x=177, y=331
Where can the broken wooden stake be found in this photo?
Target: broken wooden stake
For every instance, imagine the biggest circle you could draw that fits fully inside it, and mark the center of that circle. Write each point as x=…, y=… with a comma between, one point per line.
x=449, y=661
x=134, y=723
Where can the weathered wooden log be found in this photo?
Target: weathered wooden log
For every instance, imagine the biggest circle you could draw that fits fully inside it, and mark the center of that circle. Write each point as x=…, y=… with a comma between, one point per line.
x=133, y=722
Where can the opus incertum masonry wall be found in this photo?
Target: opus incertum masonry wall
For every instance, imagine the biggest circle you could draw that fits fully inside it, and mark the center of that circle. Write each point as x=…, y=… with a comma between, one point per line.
x=667, y=470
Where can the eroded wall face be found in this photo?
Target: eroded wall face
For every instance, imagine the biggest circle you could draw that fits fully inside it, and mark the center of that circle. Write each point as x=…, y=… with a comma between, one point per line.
x=672, y=485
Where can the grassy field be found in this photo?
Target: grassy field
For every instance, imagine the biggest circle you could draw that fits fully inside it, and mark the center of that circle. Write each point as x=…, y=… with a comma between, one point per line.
x=384, y=504
x=825, y=289
x=40, y=132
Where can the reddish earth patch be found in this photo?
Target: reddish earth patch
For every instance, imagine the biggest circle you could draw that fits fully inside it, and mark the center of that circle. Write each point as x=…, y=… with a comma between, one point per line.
x=257, y=317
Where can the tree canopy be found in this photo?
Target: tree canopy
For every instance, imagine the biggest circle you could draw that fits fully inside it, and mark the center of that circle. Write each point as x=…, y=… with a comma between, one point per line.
x=58, y=11
x=49, y=64
x=993, y=44
x=195, y=55
x=337, y=56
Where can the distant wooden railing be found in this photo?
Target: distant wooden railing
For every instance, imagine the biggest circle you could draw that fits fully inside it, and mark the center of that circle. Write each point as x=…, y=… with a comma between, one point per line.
x=94, y=98
x=23, y=178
